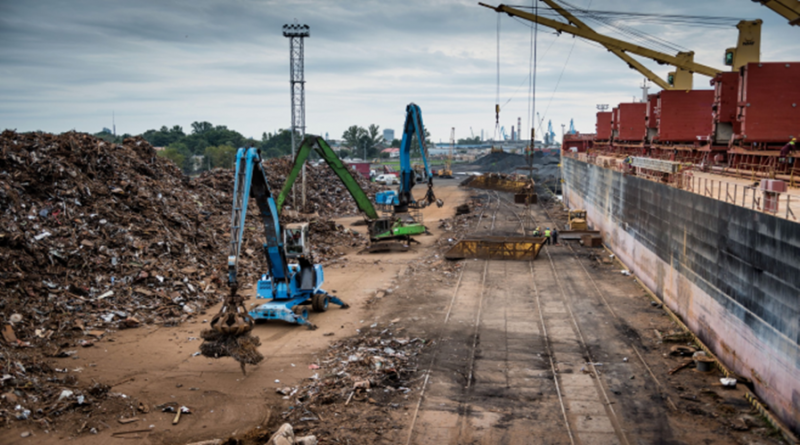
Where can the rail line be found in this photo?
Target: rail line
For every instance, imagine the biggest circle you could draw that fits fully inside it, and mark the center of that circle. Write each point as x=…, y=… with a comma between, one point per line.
x=447, y=319
x=591, y=362
x=662, y=390
x=602, y=299
x=550, y=354
x=463, y=406
x=496, y=204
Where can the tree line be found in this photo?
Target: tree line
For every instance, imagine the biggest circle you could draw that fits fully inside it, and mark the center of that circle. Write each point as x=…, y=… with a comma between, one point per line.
x=359, y=141
x=207, y=146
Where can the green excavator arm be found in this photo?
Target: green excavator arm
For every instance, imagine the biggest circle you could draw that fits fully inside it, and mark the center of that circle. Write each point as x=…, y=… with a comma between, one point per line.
x=317, y=143
x=380, y=228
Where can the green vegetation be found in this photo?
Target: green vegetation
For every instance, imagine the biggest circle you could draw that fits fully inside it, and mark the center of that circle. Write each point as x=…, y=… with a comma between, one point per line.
x=107, y=136
x=469, y=141
x=357, y=139
x=209, y=146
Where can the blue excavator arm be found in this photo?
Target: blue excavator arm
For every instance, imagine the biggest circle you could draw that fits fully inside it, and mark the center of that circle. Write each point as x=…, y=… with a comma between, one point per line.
x=413, y=127
x=250, y=180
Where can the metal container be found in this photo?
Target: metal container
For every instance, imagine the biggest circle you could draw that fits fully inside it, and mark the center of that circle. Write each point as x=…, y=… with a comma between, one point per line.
x=651, y=122
x=684, y=116
x=603, y=126
x=769, y=102
x=702, y=362
x=723, y=115
x=631, y=122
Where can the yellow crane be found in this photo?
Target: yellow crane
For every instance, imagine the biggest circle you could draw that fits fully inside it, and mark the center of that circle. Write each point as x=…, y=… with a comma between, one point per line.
x=787, y=8
x=747, y=49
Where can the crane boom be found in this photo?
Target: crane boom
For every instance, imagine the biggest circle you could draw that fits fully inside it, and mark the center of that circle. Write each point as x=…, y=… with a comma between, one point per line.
x=633, y=63
x=683, y=61
x=790, y=9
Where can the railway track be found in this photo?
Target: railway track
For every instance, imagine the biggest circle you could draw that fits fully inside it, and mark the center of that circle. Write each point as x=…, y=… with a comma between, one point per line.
x=448, y=313
x=501, y=372
x=576, y=287
x=534, y=350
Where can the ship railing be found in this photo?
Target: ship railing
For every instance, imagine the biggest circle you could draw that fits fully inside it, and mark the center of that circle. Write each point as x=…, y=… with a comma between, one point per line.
x=748, y=196
x=779, y=204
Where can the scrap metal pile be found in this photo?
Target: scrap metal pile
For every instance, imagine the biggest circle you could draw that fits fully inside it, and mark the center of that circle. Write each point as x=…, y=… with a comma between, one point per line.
x=325, y=193
x=378, y=368
x=96, y=237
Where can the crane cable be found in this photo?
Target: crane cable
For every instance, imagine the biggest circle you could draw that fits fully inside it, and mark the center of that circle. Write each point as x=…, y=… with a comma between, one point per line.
x=535, y=45
x=558, y=82
x=497, y=94
x=532, y=65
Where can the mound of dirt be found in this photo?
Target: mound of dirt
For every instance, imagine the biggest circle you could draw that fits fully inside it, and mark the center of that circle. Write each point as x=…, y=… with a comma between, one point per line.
x=545, y=164
x=498, y=162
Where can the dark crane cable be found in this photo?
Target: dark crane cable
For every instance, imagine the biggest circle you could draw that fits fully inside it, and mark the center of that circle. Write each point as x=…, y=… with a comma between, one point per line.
x=670, y=19
x=533, y=78
x=530, y=89
x=497, y=94
x=527, y=79
x=638, y=36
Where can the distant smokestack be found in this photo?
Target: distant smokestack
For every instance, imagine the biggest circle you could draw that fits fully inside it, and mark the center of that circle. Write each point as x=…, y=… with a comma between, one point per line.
x=519, y=128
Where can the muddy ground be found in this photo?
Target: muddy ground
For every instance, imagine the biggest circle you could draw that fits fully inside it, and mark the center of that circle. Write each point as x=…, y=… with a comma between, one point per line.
x=564, y=349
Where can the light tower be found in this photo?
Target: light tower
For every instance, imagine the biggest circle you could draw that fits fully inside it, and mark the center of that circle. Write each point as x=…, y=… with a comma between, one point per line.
x=296, y=33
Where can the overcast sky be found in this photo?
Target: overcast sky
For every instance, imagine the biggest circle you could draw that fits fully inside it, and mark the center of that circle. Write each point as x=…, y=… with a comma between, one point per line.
x=69, y=64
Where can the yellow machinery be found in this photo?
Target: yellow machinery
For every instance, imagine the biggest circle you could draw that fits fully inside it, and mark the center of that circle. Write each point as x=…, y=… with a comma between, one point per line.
x=502, y=183
x=577, y=220
x=496, y=248
x=790, y=9
x=746, y=51
x=447, y=171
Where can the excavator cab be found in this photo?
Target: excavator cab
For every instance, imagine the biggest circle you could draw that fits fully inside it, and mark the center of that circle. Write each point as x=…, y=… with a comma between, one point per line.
x=295, y=237
x=577, y=220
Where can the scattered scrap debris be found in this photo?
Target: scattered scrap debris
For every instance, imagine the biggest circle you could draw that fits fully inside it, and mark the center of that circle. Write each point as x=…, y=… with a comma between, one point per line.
x=285, y=436
x=376, y=368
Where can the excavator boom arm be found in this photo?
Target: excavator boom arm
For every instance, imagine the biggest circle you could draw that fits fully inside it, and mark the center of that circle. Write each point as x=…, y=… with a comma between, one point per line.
x=251, y=180
x=412, y=126
x=317, y=143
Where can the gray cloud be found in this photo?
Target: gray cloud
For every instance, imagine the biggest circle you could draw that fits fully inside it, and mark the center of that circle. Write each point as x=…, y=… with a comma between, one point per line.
x=66, y=65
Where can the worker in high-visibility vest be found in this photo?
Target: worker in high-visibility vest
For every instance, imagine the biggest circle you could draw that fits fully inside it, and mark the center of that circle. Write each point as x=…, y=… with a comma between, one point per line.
x=537, y=231
x=786, y=150
x=547, y=235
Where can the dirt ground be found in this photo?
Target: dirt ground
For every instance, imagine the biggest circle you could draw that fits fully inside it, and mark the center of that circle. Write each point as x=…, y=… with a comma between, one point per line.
x=561, y=350
x=156, y=365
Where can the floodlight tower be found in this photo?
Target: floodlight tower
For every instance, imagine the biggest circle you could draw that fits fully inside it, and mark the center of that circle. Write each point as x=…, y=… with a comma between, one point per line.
x=296, y=33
